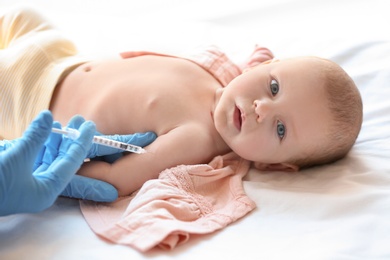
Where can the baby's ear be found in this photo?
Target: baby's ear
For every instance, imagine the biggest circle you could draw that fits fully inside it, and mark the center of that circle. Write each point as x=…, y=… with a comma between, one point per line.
x=285, y=167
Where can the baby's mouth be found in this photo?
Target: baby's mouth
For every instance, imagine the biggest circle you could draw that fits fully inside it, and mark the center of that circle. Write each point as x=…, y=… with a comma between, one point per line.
x=237, y=118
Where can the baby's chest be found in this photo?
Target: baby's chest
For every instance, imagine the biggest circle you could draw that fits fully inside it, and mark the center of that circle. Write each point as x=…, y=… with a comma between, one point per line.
x=157, y=97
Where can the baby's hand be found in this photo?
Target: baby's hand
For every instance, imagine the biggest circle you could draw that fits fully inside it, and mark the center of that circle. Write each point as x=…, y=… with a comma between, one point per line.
x=259, y=55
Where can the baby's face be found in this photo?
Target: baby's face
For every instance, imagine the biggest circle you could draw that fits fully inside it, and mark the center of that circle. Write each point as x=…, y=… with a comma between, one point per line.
x=274, y=112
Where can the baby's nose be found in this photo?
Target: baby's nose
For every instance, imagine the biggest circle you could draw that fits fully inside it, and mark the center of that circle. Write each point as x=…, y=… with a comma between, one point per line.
x=262, y=109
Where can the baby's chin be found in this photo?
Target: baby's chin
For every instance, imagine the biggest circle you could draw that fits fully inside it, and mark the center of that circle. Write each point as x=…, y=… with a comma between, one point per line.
x=242, y=152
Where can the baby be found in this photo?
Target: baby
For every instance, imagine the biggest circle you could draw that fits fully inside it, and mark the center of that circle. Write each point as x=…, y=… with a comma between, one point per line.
x=281, y=114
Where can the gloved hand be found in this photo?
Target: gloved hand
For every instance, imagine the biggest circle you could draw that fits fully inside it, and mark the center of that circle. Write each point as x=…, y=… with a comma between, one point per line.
x=79, y=186
x=20, y=190
x=92, y=189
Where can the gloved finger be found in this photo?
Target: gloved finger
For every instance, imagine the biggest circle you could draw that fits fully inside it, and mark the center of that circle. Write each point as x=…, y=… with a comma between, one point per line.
x=71, y=156
x=76, y=150
x=49, y=151
x=99, y=150
x=38, y=160
x=90, y=189
x=75, y=122
x=139, y=139
x=34, y=138
x=52, y=145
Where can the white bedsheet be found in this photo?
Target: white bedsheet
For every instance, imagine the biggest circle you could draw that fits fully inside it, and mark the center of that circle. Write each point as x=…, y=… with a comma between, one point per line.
x=338, y=211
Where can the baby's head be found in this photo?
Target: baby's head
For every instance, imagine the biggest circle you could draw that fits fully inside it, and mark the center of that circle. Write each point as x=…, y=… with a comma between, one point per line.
x=290, y=114
x=346, y=110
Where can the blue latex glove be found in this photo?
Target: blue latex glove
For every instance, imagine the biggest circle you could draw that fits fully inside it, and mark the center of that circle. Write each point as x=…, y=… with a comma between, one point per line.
x=86, y=188
x=79, y=186
x=20, y=190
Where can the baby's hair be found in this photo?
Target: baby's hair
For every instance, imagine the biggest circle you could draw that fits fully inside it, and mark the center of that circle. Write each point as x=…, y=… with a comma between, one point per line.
x=346, y=109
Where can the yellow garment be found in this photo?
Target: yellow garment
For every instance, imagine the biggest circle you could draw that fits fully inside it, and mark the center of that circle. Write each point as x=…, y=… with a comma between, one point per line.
x=33, y=59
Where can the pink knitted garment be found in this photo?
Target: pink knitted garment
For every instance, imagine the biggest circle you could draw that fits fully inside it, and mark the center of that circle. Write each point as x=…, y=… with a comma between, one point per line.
x=184, y=200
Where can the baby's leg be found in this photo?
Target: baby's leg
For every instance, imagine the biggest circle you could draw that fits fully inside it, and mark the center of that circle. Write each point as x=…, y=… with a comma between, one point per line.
x=101, y=170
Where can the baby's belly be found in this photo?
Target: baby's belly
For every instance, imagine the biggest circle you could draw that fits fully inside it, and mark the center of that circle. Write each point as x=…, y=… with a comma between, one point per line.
x=147, y=93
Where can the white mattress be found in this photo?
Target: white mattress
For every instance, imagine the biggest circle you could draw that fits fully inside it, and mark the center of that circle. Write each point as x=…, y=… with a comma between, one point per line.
x=338, y=211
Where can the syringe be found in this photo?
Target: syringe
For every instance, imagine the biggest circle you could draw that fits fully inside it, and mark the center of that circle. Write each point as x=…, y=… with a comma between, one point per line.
x=74, y=134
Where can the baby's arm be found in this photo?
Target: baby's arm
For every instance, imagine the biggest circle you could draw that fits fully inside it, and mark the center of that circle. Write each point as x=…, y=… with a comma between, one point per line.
x=259, y=55
x=187, y=144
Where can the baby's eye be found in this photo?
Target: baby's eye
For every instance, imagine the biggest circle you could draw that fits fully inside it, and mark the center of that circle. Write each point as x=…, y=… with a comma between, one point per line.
x=281, y=130
x=274, y=87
